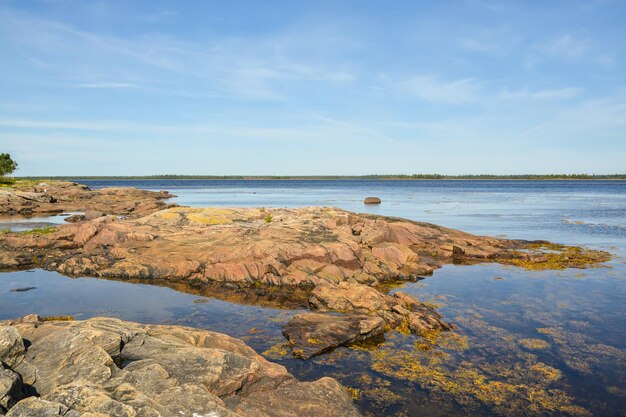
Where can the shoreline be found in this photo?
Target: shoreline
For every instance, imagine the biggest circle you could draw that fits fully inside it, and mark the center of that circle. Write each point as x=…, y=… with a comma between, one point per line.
x=320, y=178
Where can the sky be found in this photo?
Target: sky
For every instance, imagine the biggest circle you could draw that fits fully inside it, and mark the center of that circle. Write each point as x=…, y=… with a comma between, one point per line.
x=313, y=87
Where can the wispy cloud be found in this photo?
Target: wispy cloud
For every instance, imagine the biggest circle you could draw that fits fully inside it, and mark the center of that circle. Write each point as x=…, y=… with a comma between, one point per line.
x=556, y=94
x=321, y=127
x=478, y=45
x=436, y=90
x=114, y=85
x=71, y=125
x=240, y=67
x=566, y=46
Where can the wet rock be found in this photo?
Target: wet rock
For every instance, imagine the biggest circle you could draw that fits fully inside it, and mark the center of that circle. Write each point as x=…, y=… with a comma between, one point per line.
x=397, y=310
x=104, y=366
x=372, y=200
x=312, y=334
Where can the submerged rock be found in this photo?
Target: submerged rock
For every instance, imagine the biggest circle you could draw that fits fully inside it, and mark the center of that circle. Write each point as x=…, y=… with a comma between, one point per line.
x=119, y=368
x=23, y=289
x=311, y=334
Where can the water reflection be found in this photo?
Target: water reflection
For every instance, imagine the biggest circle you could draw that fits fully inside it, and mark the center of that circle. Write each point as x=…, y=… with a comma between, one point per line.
x=18, y=223
x=527, y=343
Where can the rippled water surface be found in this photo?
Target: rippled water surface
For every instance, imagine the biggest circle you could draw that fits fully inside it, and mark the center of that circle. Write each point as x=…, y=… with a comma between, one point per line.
x=527, y=343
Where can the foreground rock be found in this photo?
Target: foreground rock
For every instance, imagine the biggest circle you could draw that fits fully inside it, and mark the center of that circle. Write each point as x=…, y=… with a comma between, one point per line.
x=105, y=366
x=31, y=197
x=311, y=334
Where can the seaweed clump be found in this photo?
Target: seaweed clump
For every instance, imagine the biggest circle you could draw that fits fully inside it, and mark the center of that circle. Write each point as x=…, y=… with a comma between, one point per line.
x=526, y=389
x=544, y=255
x=534, y=344
x=57, y=318
x=38, y=231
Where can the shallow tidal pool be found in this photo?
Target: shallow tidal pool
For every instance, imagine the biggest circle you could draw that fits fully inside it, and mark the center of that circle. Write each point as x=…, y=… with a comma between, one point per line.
x=527, y=342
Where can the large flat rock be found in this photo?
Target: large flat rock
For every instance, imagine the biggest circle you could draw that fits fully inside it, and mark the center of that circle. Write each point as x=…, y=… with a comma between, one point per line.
x=111, y=367
x=299, y=247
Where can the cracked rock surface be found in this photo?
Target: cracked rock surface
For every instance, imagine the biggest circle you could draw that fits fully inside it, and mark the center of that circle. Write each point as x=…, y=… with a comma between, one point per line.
x=298, y=247
x=109, y=367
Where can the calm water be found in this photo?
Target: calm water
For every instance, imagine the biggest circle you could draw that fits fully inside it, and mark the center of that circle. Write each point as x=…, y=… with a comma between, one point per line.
x=527, y=343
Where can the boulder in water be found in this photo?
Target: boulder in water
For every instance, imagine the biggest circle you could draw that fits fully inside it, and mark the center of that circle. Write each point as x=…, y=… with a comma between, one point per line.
x=372, y=200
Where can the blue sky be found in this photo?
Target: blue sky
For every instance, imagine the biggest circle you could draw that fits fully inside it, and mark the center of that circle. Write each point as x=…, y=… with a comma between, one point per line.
x=319, y=87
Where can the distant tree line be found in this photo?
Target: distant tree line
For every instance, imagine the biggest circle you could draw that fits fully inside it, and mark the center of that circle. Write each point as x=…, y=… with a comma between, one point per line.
x=347, y=177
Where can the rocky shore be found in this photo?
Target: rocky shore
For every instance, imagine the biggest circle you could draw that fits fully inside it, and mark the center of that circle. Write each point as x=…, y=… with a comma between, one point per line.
x=340, y=260
x=109, y=367
x=33, y=197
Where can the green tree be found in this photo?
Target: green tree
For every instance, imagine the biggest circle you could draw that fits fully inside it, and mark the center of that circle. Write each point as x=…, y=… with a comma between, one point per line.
x=7, y=165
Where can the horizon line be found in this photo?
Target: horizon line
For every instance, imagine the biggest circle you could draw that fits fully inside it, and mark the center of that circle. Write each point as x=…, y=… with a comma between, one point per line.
x=573, y=176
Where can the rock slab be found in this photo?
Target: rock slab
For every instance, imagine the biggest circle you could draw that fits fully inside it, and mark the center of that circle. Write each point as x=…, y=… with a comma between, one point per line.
x=312, y=334
x=105, y=366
